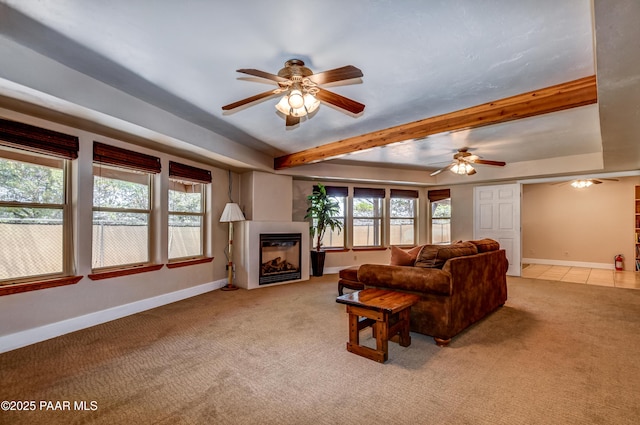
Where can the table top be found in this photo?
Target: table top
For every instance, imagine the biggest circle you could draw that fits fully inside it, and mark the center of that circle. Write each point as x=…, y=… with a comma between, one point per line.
x=379, y=299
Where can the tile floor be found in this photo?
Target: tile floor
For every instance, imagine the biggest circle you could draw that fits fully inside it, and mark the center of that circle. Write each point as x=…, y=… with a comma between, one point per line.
x=601, y=277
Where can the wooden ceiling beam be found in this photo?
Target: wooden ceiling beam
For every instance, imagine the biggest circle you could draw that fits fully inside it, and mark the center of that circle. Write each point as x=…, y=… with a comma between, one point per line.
x=550, y=99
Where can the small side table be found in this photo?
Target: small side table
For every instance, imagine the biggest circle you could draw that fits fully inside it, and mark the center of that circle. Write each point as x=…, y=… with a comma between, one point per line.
x=376, y=306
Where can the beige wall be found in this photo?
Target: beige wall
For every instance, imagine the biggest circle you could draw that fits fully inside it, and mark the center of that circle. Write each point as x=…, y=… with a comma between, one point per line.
x=560, y=224
x=339, y=260
x=589, y=225
x=461, y=212
x=66, y=302
x=266, y=196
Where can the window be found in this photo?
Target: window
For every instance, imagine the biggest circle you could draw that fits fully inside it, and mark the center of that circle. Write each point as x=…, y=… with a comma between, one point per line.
x=440, y=216
x=33, y=209
x=35, y=219
x=336, y=239
x=122, y=187
x=402, y=217
x=186, y=211
x=367, y=217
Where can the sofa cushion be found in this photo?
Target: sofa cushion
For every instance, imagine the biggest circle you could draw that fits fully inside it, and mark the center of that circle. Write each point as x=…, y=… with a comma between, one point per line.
x=434, y=256
x=400, y=257
x=350, y=273
x=414, y=279
x=486, y=245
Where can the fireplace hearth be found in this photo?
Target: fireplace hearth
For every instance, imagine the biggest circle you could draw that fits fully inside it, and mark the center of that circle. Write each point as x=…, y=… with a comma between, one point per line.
x=280, y=257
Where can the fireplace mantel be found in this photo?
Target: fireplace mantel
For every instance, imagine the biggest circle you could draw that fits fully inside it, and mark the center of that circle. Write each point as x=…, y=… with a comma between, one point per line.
x=246, y=252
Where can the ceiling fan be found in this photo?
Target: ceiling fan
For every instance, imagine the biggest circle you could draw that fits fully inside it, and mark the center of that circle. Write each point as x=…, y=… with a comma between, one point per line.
x=302, y=91
x=462, y=161
x=582, y=183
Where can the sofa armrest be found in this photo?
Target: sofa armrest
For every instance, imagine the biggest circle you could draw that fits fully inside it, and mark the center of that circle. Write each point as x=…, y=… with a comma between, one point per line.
x=408, y=278
x=479, y=282
x=485, y=267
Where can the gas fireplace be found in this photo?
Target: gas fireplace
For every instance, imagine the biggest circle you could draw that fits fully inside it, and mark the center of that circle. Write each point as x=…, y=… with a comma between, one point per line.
x=280, y=257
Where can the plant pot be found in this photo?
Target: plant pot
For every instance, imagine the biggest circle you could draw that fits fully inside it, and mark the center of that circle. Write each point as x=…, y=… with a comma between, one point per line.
x=317, y=262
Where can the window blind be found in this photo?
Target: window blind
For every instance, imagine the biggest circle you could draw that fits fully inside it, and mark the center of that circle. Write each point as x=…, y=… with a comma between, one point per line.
x=438, y=195
x=39, y=140
x=404, y=193
x=335, y=190
x=365, y=192
x=189, y=172
x=111, y=155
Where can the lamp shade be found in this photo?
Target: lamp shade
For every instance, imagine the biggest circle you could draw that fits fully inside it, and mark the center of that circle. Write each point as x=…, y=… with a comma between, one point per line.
x=232, y=212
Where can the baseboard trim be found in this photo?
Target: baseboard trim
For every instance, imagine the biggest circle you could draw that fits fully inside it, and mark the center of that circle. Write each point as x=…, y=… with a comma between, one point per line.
x=545, y=261
x=52, y=330
x=332, y=270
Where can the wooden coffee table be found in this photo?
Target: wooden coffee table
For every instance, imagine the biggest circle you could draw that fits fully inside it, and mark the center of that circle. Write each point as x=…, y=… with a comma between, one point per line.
x=376, y=307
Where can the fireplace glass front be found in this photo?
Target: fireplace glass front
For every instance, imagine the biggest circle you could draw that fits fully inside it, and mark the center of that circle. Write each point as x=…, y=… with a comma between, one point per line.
x=280, y=257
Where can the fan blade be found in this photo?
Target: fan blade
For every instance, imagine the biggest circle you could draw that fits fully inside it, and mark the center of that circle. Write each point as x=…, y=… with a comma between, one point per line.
x=291, y=120
x=448, y=167
x=488, y=162
x=345, y=73
x=595, y=181
x=340, y=101
x=248, y=100
x=472, y=172
x=262, y=74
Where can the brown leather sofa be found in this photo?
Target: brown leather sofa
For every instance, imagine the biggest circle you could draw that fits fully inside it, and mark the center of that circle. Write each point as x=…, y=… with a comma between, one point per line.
x=470, y=284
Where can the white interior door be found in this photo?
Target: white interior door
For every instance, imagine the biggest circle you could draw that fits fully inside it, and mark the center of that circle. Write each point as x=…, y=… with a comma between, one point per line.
x=497, y=216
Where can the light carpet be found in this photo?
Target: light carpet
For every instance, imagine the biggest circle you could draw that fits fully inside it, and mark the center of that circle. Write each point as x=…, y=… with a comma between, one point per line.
x=556, y=353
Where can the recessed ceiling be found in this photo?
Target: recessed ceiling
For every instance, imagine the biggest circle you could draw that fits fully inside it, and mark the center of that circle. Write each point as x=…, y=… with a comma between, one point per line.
x=419, y=59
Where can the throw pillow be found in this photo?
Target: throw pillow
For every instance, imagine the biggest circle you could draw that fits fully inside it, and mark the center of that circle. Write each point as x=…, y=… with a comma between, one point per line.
x=434, y=256
x=400, y=257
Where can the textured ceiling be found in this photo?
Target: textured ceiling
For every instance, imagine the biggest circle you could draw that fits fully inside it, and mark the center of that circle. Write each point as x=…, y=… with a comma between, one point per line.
x=419, y=59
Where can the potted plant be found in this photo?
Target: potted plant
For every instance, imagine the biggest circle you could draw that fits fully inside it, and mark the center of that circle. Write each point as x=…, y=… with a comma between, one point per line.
x=322, y=209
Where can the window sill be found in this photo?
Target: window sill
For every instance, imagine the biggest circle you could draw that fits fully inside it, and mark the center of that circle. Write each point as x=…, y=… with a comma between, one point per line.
x=34, y=286
x=329, y=250
x=124, y=272
x=192, y=262
x=370, y=248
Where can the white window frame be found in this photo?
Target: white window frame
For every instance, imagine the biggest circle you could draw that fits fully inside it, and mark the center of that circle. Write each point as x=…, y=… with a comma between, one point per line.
x=378, y=216
x=343, y=232
x=433, y=206
x=97, y=170
x=414, y=220
x=67, y=268
x=201, y=214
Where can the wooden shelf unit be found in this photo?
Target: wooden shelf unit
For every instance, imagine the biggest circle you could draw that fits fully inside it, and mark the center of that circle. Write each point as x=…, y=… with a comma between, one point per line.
x=637, y=246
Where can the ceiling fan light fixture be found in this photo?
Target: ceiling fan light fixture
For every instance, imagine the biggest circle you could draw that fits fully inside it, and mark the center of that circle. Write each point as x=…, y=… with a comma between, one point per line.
x=462, y=168
x=581, y=184
x=301, y=89
x=295, y=99
x=310, y=103
x=297, y=105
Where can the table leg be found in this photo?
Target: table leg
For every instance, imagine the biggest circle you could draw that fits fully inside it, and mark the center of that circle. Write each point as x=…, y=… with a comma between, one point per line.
x=354, y=331
x=382, y=336
x=405, y=337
